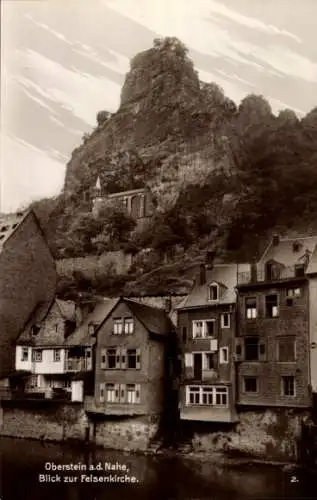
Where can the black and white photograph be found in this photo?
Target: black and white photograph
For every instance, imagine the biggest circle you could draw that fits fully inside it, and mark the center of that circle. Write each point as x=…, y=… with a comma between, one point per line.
x=158, y=250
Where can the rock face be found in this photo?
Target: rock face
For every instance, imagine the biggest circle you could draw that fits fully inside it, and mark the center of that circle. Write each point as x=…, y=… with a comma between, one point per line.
x=164, y=110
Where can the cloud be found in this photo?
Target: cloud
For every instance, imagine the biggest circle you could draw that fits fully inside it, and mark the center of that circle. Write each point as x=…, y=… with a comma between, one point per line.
x=24, y=182
x=250, y=22
x=80, y=93
x=53, y=32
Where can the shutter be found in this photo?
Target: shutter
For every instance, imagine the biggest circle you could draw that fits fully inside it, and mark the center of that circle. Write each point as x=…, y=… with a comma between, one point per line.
x=262, y=350
x=239, y=348
x=214, y=345
x=118, y=359
x=138, y=359
x=189, y=360
x=204, y=360
x=123, y=393
x=117, y=393
x=103, y=355
x=138, y=393
x=102, y=392
x=123, y=357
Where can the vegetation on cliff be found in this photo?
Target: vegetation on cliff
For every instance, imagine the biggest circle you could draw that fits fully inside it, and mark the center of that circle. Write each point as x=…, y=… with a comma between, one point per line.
x=221, y=176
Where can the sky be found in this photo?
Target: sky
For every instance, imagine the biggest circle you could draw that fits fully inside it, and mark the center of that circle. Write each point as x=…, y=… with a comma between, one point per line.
x=63, y=61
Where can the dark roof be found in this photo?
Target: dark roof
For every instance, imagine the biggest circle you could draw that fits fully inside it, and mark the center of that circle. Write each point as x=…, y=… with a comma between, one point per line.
x=9, y=223
x=81, y=335
x=47, y=334
x=225, y=275
x=155, y=320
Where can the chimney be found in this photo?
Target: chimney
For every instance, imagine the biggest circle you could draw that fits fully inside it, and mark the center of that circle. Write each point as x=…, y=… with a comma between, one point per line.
x=202, y=274
x=168, y=305
x=210, y=257
x=275, y=240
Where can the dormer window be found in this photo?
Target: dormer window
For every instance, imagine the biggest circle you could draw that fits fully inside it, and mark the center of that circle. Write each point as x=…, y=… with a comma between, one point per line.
x=91, y=328
x=213, y=292
x=296, y=247
x=35, y=330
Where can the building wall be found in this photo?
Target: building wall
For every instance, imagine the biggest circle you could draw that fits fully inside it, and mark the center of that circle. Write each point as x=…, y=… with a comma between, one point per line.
x=130, y=434
x=48, y=365
x=292, y=321
x=23, y=365
x=28, y=276
x=313, y=331
x=147, y=376
x=223, y=373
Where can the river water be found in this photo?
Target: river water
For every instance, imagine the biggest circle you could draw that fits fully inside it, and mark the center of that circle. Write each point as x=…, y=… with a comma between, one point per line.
x=24, y=464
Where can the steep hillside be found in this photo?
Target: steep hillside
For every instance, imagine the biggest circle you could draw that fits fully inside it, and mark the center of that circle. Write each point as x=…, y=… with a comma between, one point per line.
x=223, y=177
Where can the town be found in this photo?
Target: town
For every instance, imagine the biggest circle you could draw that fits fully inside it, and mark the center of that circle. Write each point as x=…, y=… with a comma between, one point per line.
x=236, y=356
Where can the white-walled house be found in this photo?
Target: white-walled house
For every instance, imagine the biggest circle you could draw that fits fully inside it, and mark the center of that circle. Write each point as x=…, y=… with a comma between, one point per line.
x=47, y=357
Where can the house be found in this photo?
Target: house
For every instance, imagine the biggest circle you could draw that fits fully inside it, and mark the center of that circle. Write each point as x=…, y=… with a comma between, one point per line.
x=276, y=324
x=27, y=279
x=51, y=351
x=135, y=345
x=136, y=202
x=206, y=328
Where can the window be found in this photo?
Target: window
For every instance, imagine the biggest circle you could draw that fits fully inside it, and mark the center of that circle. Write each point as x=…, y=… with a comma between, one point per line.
x=111, y=358
x=128, y=325
x=293, y=292
x=210, y=364
x=296, y=247
x=203, y=329
x=102, y=393
x=133, y=358
x=225, y=320
x=288, y=386
x=251, y=345
x=286, y=349
x=37, y=355
x=250, y=384
x=198, y=327
x=35, y=330
x=299, y=270
x=117, y=326
x=133, y=393
x=209, y=328
x=25, y=354
x=57, y=355
x=250, y=308
x=207, y=395
x=92, y=328
x=271, y=306
x=221, y=396
x=213, y=292
x=223, y=355
x=110, y=393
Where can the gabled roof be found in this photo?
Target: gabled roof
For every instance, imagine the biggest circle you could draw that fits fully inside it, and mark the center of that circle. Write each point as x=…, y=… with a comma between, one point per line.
x=47, y=334
x=155, y=320
x=225, y=275
x=283, y=251
x=81, y=335
x=9, y=223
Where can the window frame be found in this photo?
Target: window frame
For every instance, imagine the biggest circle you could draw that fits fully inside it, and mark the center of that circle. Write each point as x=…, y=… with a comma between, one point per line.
x=23, y=350
x=253, y=309
x=35, y=358
x=204, y=329
x=197, y=393
x=247, y=377
x=283, y=379
x=57, y=354
x=273, y=316
x=286, y=338
x=222, y=322
x=213, y=286
x=224, y=360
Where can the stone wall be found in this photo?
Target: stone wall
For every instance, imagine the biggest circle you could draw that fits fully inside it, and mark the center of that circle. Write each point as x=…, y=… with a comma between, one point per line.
x=267, y=434
x=52, y=423
x=93, y=266
x=129, y=434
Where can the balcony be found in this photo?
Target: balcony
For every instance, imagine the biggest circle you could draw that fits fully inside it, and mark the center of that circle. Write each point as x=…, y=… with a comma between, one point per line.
x=77, y=365
x=269, y=276
x=35, y=394
x=114, y=409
